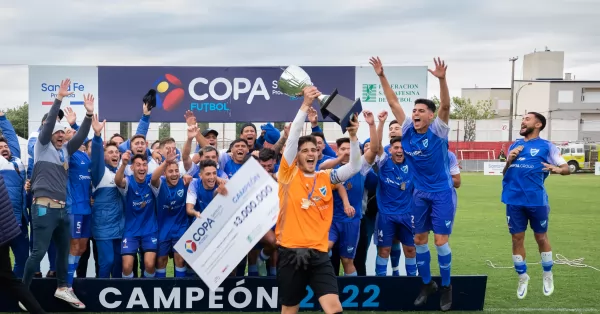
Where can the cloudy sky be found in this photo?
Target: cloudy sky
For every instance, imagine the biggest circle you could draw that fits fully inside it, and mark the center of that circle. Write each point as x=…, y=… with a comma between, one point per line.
x=475, y=37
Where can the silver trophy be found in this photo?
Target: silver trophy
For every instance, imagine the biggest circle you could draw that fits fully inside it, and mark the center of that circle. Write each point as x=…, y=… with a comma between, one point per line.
x=341, y=109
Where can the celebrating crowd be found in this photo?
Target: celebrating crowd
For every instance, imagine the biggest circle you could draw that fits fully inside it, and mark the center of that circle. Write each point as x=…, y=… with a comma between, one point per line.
x=135, y=202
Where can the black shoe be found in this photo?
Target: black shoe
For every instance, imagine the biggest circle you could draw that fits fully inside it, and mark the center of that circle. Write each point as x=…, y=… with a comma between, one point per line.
x=51, y=274
x=426, y=291
x=37, y=275
x=446, y=298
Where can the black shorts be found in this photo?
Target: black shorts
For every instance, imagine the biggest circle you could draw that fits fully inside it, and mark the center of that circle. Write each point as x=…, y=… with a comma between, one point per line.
x=292, y=282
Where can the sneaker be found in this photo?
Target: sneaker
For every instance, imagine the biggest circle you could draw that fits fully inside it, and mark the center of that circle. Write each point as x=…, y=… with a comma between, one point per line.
x=548, y=283
x=23, y=307
x=426, y=291
x=446, y=298
x=262, y=267
x=522, y=289
x=69, y=296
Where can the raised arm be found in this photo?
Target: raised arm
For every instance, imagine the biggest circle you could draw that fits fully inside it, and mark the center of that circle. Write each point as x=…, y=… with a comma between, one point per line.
x=291, y=145
x=46, y=130
x=98, y=165
x=142, y=129
x=346, y=171
x=331, y=163
x=120, y=175
x=382, y=116
x=440, y=73
x=282, y=139
x=187, y=147
x=375, y=142
x=77, y=140
x=390, y=95
x=10, y=135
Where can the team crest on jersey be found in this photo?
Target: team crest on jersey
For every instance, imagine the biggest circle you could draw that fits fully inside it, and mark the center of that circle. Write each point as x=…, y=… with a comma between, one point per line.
x=425, y=142
x=323, y=190
x=534, y=151
x=404, y=169
x=349, y=186
x=180, y=193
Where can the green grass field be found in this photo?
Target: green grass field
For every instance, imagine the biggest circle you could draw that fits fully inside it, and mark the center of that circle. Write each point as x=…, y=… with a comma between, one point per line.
x=481, y=234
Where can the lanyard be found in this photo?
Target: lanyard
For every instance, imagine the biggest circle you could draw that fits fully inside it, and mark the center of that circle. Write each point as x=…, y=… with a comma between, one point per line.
x=61, y=155
x=313, y=187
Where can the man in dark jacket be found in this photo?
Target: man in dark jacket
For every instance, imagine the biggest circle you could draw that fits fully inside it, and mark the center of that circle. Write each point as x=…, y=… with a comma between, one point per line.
x=9, y=229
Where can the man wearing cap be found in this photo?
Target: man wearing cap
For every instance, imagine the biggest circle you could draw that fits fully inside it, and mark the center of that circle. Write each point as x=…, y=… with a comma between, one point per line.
x=51, y=249
x=49, y=188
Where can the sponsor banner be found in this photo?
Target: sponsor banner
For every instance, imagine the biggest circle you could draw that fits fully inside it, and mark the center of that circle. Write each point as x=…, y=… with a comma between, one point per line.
x=597, y=169
x=408, y=82
x=493, y=168
x=250, y=294
x=231, y=225
x=44, y=83
x=214, y=94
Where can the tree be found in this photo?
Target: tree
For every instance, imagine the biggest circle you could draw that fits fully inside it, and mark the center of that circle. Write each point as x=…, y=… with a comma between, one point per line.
x=463, y=109
x=19, y=118
x=164, y=131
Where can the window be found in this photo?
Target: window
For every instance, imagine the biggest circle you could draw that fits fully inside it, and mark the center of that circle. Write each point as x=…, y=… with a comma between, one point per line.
x=565, y=96
x=580, y=150
x=590, y=94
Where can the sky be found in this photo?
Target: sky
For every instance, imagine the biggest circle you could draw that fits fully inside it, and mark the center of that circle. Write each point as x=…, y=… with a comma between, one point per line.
x=475, y=38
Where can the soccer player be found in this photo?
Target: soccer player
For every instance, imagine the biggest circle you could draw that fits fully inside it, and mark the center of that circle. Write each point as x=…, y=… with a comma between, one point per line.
x=306, y=202
x=141, y=229
x=530, y=161
x=231, y=164
x=205, y=153
x=425, y=145
x=108, y=219
x=394, y=200
x=170, y=192
x=13, y=171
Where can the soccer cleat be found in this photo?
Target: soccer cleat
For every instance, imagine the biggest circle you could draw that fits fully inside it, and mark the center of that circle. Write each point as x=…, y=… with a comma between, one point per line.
x=426, y=291
x=446, y=298
x=548, y=283
x=23, y=307
x=69, y=296
x=522, y=289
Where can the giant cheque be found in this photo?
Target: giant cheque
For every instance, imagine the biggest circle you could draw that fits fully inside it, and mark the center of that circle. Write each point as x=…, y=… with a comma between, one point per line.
x=231, y=225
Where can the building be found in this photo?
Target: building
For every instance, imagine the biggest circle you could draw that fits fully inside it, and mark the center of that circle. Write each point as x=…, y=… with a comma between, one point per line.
x=571, y=107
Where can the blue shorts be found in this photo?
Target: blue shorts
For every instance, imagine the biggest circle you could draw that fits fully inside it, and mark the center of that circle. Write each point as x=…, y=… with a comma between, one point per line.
x=434, y=211
x=81, y=226
x=167, y=246
x=346, y=235
x=517, y=218
x=388, y=227
x=131, y=245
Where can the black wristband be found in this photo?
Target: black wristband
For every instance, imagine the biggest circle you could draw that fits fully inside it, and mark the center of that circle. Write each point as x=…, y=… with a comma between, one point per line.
x=89, y=115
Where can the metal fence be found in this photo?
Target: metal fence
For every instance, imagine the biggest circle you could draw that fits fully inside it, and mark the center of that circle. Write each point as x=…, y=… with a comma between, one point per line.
x=474, y=165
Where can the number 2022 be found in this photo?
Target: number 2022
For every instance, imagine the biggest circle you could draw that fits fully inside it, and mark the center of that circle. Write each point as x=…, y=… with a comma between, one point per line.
x=349, y=302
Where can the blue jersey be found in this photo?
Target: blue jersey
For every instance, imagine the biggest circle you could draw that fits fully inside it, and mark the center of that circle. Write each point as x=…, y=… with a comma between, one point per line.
x=320, y=161
x=355, y=187
x=228, y=166
x=523, y=182
x=140, y=208
x=194, y=172
x=427, y=155
x=79, y=187
x=170, y=209
x=198, y=195
x=395, y=189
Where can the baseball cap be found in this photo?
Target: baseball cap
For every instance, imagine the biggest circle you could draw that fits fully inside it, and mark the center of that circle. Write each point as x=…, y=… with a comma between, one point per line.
x=58, y=127
x=208, y=131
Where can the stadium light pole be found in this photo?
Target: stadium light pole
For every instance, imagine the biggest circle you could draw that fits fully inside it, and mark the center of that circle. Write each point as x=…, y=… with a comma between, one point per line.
x=512, y=91
x=517, y=99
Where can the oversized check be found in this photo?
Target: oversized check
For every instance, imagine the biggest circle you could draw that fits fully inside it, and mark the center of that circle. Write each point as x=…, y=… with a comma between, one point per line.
x=231, y=225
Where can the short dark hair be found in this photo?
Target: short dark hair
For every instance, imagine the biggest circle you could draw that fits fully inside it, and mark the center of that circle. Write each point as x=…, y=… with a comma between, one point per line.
x=138, y=156
x=207, y=149
x=156, y=142
x=430, y=104
x=166, y=141
x=395, y=139
x=266, y=154
x=207, y=163
x=117, y=135
x=341, y=141
x=394, y=122
x=540, y=118
x=3, y=139
x=305, y=139
x=135, y=137
x=247, y=124
x=319, y=134
x=111, y=143
x=238, y=140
